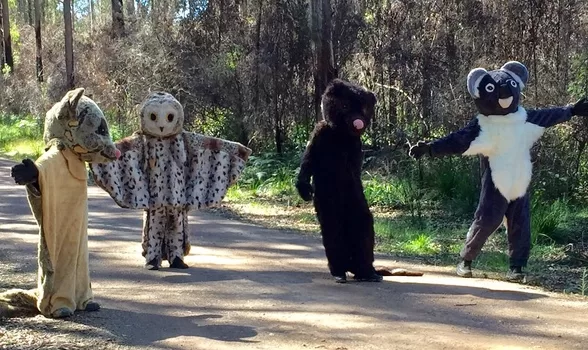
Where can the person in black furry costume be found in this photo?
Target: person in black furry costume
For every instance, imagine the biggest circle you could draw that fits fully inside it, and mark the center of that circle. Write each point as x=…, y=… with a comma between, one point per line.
x=333, y=158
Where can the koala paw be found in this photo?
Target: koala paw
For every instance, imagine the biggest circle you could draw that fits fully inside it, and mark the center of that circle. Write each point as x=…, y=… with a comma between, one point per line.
x=419, y=150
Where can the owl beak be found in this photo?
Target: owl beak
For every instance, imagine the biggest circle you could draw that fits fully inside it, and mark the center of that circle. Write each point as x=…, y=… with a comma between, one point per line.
x=161, y=128
x=505, y=102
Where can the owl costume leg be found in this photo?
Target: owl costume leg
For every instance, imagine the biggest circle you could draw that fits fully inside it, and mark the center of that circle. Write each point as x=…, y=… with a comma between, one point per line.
x=154, y=226
x=176, y=237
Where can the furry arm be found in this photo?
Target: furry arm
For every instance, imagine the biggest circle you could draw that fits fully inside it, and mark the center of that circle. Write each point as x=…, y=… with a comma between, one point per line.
x=550, y=116
x=303, y=185
x=457, y=142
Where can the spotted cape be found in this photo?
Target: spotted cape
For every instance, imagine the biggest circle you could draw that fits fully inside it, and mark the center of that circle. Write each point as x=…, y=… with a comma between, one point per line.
x=187, y=170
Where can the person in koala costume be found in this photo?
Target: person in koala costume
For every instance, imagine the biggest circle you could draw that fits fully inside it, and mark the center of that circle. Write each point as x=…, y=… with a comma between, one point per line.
x=502, y=134
x=167, y=171
x=56, y=184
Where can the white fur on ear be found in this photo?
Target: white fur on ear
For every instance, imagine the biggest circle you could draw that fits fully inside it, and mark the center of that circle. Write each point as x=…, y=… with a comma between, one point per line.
x=518, y=71
x=474, y=78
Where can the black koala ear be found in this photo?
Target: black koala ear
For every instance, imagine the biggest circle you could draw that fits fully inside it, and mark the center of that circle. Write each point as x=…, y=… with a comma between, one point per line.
x=518, y=71
x=474, y=78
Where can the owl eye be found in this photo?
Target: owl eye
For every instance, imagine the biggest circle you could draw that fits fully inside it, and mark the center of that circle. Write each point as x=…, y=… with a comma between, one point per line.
x=513, y=83
x=170, y=117
x=489, y=87
x=153, y=117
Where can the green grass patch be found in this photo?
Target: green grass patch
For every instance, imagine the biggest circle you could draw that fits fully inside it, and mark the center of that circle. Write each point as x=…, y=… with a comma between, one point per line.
x=20, y=137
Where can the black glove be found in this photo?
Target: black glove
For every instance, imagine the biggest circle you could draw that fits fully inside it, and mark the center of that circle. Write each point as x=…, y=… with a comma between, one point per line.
x=305, y=190
x=419, y=150
x=25, y=173
x=581, y=107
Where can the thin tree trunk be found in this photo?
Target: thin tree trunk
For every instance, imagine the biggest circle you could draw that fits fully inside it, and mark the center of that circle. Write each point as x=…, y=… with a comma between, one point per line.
x=1, y=40
x=38, y=40
x=30, y=11
x=8, y=59
x=322, y=33
x=118, y=24
x=130, y=9
x=69, y=57
x=257, y=53
x=92, y=18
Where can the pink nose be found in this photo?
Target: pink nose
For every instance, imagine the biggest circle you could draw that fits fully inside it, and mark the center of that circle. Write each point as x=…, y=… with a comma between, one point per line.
x=358, y=124
x=117, y=153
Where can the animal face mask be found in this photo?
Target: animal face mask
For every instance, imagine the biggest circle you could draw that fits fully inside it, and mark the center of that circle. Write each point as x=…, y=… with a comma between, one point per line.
x=76, y=122
x=498, y=92
x=161, y=115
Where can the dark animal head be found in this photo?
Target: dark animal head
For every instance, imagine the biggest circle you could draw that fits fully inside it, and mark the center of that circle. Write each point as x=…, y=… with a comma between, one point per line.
x=498, y=92
x=348, y=106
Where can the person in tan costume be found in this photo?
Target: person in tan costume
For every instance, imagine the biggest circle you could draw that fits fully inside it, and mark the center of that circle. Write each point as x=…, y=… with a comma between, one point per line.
x=75, y=132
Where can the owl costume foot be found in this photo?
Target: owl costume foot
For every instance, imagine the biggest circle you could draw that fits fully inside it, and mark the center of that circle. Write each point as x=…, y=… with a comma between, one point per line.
x=178, y=264
x=153, y=265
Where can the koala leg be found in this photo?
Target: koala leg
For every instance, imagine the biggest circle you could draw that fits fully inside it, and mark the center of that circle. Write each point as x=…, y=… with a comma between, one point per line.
x=154, y=226
x=518, y=229
x=176, y=237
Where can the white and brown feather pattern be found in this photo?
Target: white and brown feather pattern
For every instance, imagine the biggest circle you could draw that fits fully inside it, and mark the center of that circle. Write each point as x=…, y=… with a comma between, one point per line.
x=188, y=170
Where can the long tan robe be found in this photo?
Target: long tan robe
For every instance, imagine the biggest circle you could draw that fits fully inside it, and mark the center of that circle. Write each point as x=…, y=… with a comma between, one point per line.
x=61, y=210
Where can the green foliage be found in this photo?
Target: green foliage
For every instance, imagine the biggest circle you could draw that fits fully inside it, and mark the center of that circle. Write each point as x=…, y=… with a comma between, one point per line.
x=547, y=220
x=21, y=137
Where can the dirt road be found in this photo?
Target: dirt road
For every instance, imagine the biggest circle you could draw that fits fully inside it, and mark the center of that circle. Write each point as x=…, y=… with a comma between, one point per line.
x=253, y=288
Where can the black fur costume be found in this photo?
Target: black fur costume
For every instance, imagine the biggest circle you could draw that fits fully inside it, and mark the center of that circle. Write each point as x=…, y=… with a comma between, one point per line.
x=333, y=158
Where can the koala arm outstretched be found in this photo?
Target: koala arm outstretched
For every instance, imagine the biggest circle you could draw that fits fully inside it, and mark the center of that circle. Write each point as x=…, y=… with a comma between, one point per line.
x=457, y=142
x=27, y=174
x=303, y=184
x=552, y=116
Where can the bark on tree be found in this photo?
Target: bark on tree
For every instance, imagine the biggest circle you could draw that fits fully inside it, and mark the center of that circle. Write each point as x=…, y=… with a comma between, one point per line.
x=118, y=24
x=38, y=40
x=69, y=58
x=8, y=59
x=30, y=11
x=92, y=16
x=322, y=44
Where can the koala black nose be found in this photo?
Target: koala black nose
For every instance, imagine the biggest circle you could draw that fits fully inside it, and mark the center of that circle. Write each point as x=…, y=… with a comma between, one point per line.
x=161, y=128
x=504, y=91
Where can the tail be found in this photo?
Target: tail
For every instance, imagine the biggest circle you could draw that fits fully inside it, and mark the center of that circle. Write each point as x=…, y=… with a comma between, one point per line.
x=18, y=303
x=384, y=271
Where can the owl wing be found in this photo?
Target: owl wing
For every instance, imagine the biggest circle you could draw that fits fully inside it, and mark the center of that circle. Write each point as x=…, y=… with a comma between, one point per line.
x=125, y=179
x=212, y=166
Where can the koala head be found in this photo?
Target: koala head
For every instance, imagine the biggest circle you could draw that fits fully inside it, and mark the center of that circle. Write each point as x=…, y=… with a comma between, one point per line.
x=348, y=106
x=161, y=115
x=498, y=92
x=76, y=122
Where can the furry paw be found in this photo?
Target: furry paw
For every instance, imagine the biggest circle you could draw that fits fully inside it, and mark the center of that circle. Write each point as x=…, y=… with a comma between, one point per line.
x=178, y=264
x=374, y=277
x=153, y=265
x=62, y=313
x=92, y=306
x=305, y=190
x=419, y=150
x=25, y=173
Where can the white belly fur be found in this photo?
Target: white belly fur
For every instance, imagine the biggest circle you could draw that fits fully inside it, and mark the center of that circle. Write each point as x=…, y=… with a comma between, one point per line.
x=507, y=141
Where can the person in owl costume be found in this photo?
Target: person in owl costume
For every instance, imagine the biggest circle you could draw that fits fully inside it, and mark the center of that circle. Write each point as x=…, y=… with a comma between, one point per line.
x=167, y=171
x=76, y=132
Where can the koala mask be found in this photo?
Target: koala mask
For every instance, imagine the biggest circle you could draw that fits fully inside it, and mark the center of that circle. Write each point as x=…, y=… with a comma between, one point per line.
x=498, y=92
x=76, y=122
